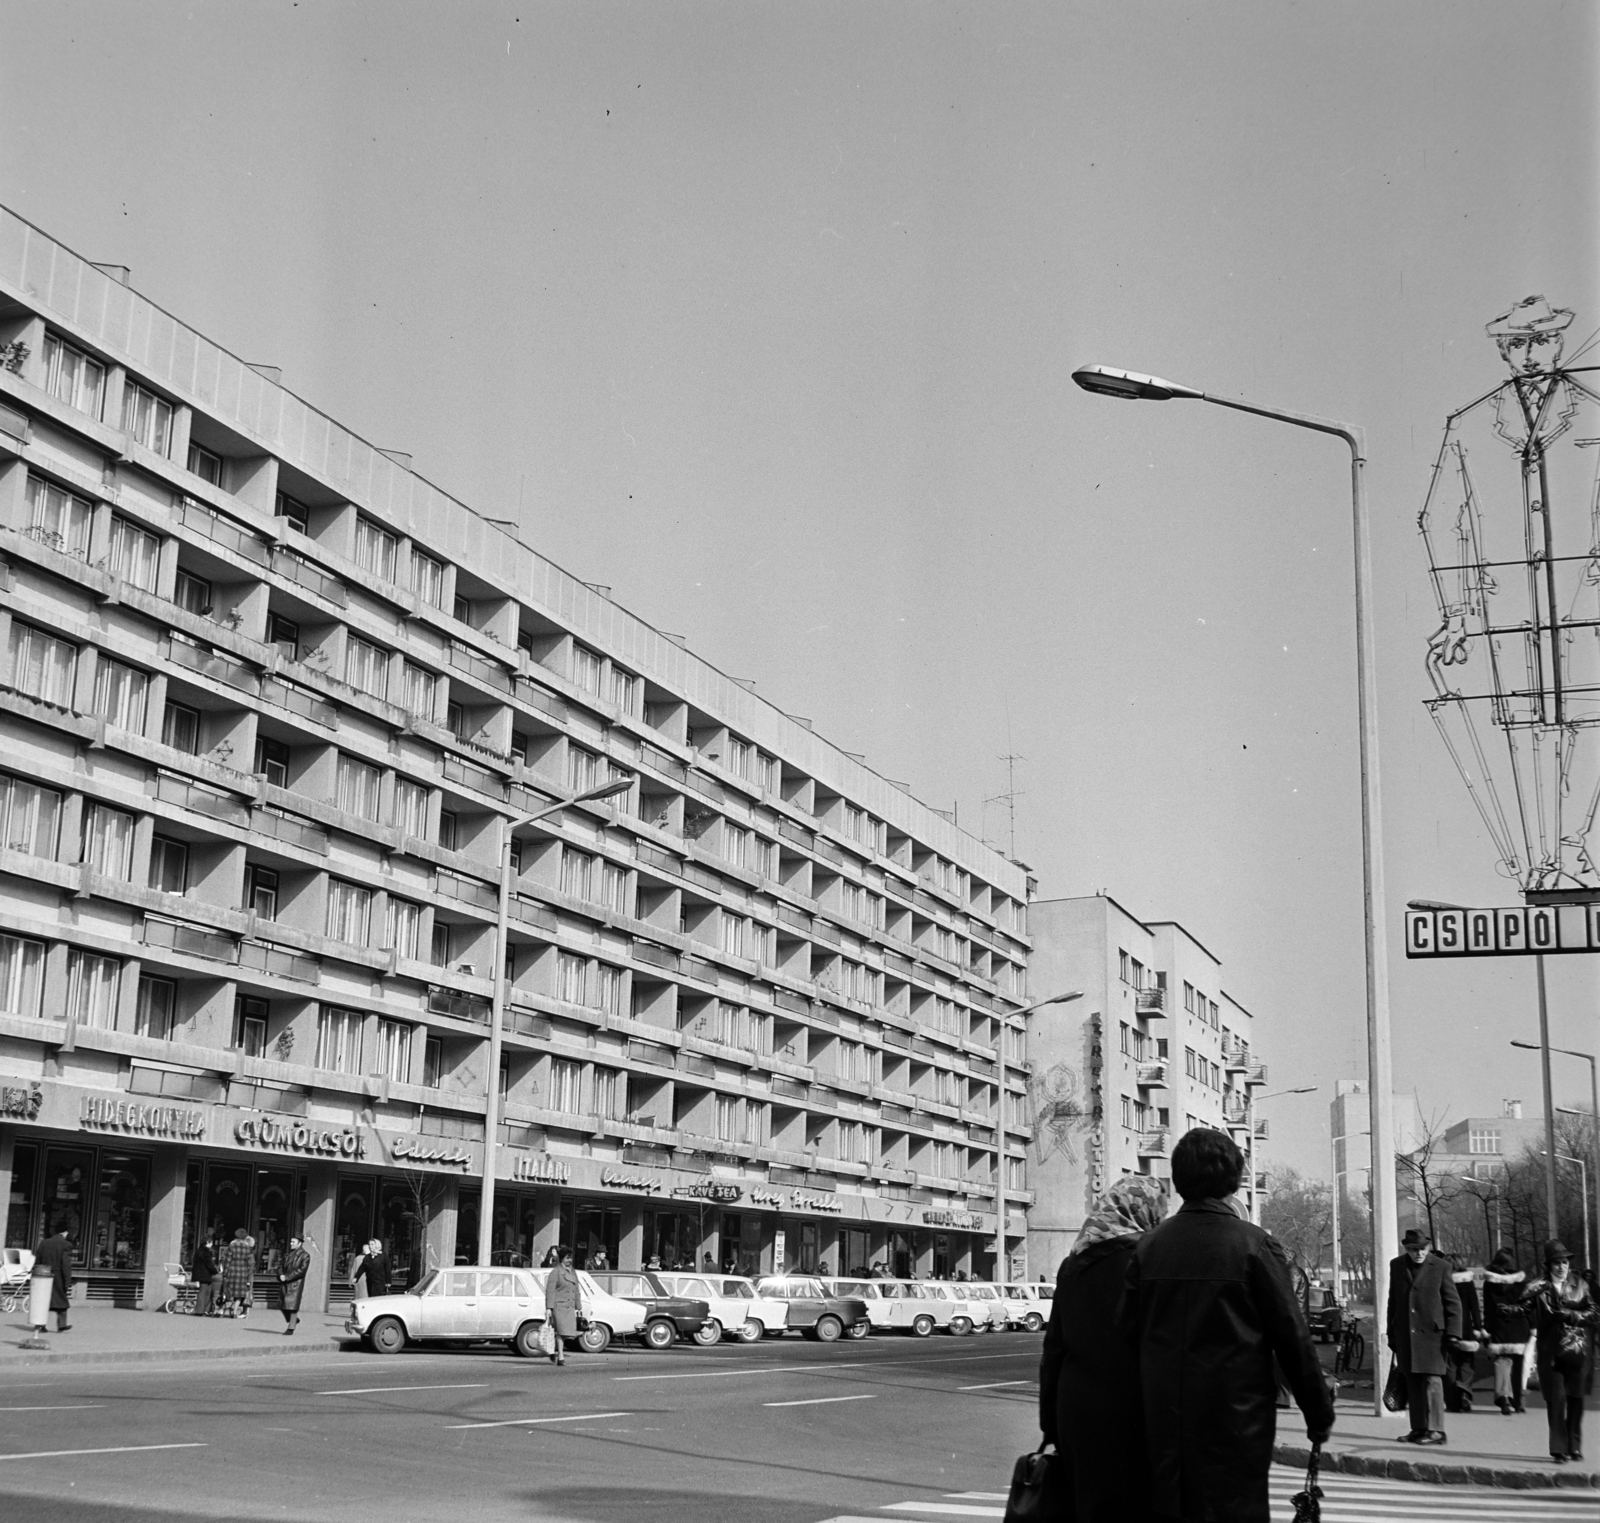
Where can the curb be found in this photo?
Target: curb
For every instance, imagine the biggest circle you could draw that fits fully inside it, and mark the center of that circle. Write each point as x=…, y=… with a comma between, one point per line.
x=1437, y=1472
x=171, y=1355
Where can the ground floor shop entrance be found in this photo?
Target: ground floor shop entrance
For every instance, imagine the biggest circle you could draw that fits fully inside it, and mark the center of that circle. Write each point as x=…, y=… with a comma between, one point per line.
x=99, y=1195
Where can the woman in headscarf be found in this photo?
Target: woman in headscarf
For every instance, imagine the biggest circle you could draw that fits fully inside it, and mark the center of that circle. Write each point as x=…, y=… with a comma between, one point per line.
x=1089, y=1403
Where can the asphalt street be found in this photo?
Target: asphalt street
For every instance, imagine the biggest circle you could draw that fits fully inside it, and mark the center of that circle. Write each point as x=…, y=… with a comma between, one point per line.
x=781, y=1432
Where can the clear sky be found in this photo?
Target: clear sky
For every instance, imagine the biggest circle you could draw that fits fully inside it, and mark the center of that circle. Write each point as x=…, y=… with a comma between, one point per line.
x=764, y=315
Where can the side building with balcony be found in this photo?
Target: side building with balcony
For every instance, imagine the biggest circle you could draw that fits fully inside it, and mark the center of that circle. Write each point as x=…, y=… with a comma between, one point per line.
x=1153, y=1047
x=267, y=698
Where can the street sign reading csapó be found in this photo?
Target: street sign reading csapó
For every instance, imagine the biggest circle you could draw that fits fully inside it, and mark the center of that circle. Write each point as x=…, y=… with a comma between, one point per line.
x=1516, y=931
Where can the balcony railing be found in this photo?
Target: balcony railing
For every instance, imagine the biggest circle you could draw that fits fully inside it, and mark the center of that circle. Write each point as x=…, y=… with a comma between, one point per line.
x=285, y=827
x=1153, y=1144
x=464, y=890
x=1152, y=1075
x=490, y=673
x=296, y=700
x=537, y=698
x=531, y=913
x=215, y=665
x=297, y=569
x=263, y=957
x=222, y=531
x=1261, y=1129
x=1150, y=1001
x=191, y=940
x=464, y=1007
x=173, y=789
x=469, y=775
x=1255, y=1073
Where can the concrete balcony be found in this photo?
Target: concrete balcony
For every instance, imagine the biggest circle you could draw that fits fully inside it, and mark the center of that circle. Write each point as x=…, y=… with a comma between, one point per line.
x=1152, y=1001
x=1153, y=1144
x=1152, y=1075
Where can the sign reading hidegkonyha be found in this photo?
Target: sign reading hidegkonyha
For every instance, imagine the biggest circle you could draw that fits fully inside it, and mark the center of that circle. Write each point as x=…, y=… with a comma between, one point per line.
x=1514, y=932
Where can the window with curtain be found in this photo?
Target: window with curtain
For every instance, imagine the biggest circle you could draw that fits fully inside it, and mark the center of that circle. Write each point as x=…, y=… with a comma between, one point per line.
x=624, y=688
x=583, y=769
x=570, y=972
x=375, y=549
x=586, y=667
x=727, y=1118
x=21, y=975
x=403, y=927
x=192, y=593
x=577, y=873
x=736, y=845
x=611, y=1094
x=180, y=728
x=410, y=812
x=60, y=520
x=393, y=1059
x=427, y=578
x=169, y=865
x=153, y=1015
x=206, y=464
x=135, y=554
x=339, y=1040
x=147, y=417
x=366, y=666
x=119, y=694
x=30, y=817
x=565, y=1080
x=614, y=887
x=349, y=911
x=42, y=666
x=73, y=377
x=108, y=841
x=421, y=690
x=93, y=983
x=608, y=988
x=358, y=787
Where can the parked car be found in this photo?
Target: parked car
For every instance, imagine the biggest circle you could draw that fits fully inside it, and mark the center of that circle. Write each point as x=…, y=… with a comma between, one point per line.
x=813, y=1310
x=1035, y=1307
x=605, y=1316
x=881, y=1307
x=918, y=1307
x=988, y=1301
x=1325, y=1313
x=668, y=1316
x=964, y=1315
x=735, y=1307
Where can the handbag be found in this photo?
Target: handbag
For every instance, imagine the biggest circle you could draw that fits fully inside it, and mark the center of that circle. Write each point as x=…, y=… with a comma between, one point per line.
x=1396, y=1391
x=1040, y=1492
x=547, y=1337
x=1308, y=1502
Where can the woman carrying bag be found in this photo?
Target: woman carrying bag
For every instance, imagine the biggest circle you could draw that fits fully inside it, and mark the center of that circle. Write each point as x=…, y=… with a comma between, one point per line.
x=563, y=1303
x=292, y=1277
x=1564, y=1312
x=1505, y=1318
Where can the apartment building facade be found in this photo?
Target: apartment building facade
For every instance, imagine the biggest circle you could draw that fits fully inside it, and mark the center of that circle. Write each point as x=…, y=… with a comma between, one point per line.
x=266, y=699
x=1152, y=1047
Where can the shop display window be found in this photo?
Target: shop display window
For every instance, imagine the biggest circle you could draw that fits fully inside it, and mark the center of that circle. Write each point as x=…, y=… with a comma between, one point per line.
x=122, y=1203
x=279, y=1209
x=227, y=1199
x=68, y=1178
x=402, y=1211
x=589, y=1228
x=467, y=1227
x=20, y=1229
x=353, y=1226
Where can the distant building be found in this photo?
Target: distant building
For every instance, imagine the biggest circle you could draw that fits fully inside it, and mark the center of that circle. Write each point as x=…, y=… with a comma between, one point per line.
x=1154, y=1046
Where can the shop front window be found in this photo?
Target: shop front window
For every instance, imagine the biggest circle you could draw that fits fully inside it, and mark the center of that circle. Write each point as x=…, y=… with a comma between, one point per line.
x=401, y=1215
x=673, y=1239
x=20, y=1230
x=808, y=1248
x=227, y=1198
x=855, y=1253
x=279, y=1205
x=900, y=1262
x=467, y=1227
x=353, y=1225
x=593, y=1228
x=121, y=1206
x=67, y=1176
x=941, y=1256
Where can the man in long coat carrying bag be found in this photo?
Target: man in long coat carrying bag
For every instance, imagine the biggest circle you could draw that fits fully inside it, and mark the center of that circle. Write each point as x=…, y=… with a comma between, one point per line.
x=1424, y=1311
x=1210, y=1301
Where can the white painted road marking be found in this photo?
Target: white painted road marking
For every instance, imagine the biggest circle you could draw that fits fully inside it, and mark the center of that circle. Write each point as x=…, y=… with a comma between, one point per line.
x=817, y=1401
x=471, y=1385
x=994, y=1385
x=524, y=1422
x=756, y=1369
x=58, y=1454
x=946, y=1509
x=80, y=1407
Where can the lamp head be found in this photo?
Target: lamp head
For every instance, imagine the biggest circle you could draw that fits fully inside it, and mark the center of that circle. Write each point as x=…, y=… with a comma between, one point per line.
x=1106, y=381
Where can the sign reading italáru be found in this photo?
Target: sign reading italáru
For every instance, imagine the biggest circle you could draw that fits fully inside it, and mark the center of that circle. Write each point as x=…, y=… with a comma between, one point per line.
x=1518, y=931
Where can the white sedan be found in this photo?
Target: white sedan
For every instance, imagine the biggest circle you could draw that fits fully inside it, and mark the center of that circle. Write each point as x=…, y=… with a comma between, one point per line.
x=484, y=1305
x=735, y=1306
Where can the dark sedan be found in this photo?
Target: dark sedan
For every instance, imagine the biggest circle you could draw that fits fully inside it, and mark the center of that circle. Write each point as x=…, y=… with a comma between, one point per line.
x=813, y=1308
x=668, y=1317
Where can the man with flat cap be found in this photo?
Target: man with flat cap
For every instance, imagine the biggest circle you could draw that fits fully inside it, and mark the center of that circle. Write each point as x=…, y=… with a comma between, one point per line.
x=1424, y=1314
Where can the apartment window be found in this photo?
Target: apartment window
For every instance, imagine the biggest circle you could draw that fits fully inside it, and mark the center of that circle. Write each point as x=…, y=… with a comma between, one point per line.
x=736, y=845
x=285, y=634
x=624, y=689
x=763, y=943
x=410, y=810
x=427, y=577
x=586, y=669
x=577, y=873
x=569, y=978
x=358, y=787
x=1127, y=1040
x=108, y=841
x=21, y=975
x=449, y=829
x=92, y=986
x=153, y=1013
x=206, y=465
x=1189, y=1061
x=420, y=691
x=30, y=816
x=727, y=1118
x=1213, y=1014
x=375, y=549
x=42, y=666
x=402, y=927
x=611, y=1094
x=394, y=1051
x=293, y=513
x=1127, y=1111
x=250, y=1026
x=461, y=609
x=432, y=1062
x=1016, y=1175
x=1483, y=1139
x=735, y=930
x=261, y=891
x=192, y=594
x=439, y=945
x=272, y=761
x=339, y=1040
x=565, y=1079
x=119, y=694
x=169, y=865
x=738, y=758
x=71, y=376
x=614, y=887
x=853, y=822
x=366, y=666
x=1188, y=997
x=147, y=417
x=349, y=911
x=60, y=521
x=608, y=988
x=766, y=771
x=135, y=554
x=583, y=769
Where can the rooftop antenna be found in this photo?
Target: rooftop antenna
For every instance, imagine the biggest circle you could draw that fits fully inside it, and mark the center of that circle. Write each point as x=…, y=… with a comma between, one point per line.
x=1009, y=798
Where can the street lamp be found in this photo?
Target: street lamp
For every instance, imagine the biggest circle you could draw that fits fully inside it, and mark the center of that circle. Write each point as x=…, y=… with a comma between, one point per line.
x=1251, y=1101
x=1002, y=1259
x=1132, y=386
x=1583, y=1180
x=1544, y=1052
x=491, y=1128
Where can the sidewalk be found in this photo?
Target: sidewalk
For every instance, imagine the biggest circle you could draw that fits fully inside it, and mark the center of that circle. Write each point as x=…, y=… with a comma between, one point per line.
x=1485, y=1448
x=104, y=1334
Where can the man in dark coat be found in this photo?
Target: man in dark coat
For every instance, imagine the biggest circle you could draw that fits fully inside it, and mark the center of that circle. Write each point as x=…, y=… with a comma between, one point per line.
x=377, y=1269
x=1424, y=1314
x=1210, y=1300
x=55, y=1254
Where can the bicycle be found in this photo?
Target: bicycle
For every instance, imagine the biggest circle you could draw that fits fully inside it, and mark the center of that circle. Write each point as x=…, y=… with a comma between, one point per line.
x=1352, y=1349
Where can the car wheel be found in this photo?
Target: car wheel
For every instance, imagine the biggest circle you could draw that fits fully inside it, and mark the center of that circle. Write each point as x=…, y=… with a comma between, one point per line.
x=922, y=1327
x=828, y=1329
x=660, y=1334
x=526, y=1342
x=860, y=1329
x=750, y=1331
x=960, y=1326
x=388, y=1335
x=1034, y=1322
x=594, y=1338
x=710, y=1332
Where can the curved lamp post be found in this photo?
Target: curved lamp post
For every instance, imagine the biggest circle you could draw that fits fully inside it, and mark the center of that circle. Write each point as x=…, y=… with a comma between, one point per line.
x=1252, y=1100
x=1131, y=386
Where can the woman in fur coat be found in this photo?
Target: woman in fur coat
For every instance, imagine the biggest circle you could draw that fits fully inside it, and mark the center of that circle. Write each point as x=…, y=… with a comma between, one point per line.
x=1506, y=1320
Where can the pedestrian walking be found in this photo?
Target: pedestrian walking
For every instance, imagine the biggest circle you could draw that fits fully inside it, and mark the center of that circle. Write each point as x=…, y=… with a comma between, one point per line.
x=204, y=1272
x=238, y=1273
x=1461, y=1355
x=1209, y=1300
x=1564, y=1312
x=376, y=1269
x=1423, y=1317
x=1089, y=1405
x=55, y=1254
x=1506, y=1325
x=292, y=1277
x=563, y=1302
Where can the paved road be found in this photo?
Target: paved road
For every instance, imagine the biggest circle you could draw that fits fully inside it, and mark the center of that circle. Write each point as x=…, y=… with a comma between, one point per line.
x=788, y=1432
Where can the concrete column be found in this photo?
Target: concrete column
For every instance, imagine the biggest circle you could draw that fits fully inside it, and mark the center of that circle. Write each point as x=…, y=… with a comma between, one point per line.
x=922, y=1254
x=322, y=1200
x=830, y=1248
x=169, y=1173
x=546, y=1224
x=961, y=1259
x=439, y=1232
x=7, y=1153
x=630, y=1244
x=710, y=1240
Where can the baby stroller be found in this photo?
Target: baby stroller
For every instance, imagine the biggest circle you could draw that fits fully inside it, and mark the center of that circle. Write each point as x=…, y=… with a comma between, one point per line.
x=181, y=1301
x=16, y=1269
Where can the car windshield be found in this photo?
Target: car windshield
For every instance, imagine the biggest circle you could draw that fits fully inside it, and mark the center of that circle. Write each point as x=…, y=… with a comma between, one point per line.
x=425, y=1284
x=739, y=1288
x=937, y=1293
x=691, y=1287
x=983, y=1293
x=1016, y=1293
x=1046, y=1291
